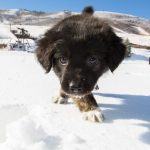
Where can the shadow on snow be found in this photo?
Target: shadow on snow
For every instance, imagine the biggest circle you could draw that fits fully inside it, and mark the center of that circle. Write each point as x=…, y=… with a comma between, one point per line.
x=140, y=57
x=132, y=107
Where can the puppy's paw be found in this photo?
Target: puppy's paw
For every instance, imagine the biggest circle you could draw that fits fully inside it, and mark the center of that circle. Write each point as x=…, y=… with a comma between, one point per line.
x=60, y=100
x=94, y=116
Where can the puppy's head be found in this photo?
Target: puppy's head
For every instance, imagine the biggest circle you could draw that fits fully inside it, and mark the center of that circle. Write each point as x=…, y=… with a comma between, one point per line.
x=80, y=49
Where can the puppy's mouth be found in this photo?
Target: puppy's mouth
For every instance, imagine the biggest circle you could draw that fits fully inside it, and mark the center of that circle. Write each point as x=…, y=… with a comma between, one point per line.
x=77, y=93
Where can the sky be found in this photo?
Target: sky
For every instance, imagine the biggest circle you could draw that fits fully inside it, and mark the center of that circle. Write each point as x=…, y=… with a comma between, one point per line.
x=133, y=7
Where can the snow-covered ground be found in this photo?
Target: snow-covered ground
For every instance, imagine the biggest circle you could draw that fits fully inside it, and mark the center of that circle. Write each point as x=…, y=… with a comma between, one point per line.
x=5, y=33
x=30, y=121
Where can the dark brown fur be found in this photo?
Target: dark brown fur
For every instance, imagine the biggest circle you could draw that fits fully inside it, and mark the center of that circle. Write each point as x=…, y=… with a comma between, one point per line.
x=80, y=49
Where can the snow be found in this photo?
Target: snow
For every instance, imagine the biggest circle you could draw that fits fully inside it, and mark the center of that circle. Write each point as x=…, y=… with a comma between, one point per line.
x=34, y=31
x=5, y=33
x=30, y=121
x=143, y=40
x=108, y=14
x=10, y=11
x=135, y=38
x=57, y=15
x=142, y=31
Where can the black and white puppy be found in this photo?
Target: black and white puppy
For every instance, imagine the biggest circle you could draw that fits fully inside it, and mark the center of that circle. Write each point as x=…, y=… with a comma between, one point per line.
x=80, y=48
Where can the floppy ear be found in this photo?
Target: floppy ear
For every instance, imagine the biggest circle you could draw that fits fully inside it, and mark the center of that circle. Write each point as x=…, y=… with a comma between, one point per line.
x=116, y=50
x=45, y=50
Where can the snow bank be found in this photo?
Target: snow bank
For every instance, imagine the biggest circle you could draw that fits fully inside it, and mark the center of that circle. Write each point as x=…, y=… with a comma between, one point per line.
x=24, y=134
x=5, y=33
x=34, y=132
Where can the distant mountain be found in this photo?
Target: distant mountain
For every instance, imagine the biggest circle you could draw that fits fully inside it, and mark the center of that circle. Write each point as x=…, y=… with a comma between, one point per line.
x=26, y=17
x=126, y=23
x=120, y=22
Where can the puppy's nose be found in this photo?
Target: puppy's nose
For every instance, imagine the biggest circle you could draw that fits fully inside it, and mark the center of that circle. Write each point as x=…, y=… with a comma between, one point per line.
x=75, y=87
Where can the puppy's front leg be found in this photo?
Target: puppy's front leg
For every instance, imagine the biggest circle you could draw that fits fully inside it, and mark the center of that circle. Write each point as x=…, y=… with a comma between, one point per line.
x=88, y=106
x=61, y=99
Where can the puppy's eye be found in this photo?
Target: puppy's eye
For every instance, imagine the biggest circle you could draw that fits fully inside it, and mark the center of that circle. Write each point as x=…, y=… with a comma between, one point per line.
x=63, y=60
x=93, y=60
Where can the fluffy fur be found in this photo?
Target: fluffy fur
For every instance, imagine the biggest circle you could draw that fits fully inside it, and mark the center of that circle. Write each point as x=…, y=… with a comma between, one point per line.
x=80, y=49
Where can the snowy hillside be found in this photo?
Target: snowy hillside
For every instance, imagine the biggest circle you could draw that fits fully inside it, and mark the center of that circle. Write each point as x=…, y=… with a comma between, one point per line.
x=30, y=121
x=38, y=31
x=136, y=29
x=127, y=23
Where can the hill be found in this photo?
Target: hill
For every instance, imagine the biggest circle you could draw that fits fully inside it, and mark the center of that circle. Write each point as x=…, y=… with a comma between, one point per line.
x=123, y=22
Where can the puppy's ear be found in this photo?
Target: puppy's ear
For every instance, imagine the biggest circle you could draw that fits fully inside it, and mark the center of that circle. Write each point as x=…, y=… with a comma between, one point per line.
x=45, y=50
x=116, y=51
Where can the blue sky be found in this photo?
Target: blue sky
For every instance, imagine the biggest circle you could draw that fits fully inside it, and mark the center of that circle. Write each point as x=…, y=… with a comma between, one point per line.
x=134, y=7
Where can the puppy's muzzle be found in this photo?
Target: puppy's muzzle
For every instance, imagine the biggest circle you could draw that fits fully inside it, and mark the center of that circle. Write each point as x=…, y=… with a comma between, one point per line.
x=76, y=87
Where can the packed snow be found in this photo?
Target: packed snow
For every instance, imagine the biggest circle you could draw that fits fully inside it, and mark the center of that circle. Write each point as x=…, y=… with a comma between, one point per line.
x=30, y=121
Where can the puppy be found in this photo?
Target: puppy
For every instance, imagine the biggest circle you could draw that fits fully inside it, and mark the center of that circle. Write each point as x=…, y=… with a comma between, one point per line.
x=80, y=49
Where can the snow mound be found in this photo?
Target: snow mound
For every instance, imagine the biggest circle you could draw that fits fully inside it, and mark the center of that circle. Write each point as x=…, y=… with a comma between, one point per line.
x=24, y=132
x=32, y=132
